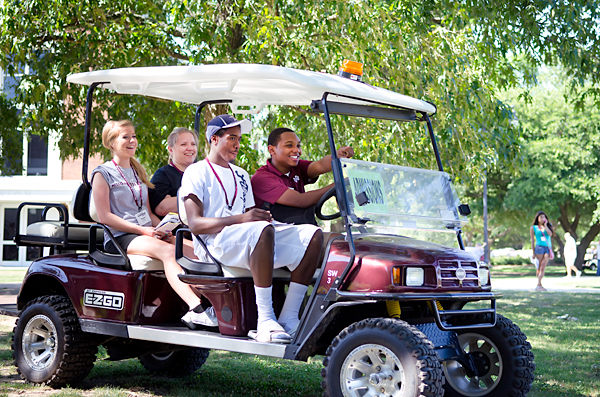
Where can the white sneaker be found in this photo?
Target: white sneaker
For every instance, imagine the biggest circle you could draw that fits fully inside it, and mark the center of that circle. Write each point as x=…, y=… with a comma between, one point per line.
x=577, y=273
x=207, y=318
x=270, y=332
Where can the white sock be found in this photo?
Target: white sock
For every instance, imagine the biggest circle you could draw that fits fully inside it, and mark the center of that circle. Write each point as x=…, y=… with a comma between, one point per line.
x=289, y=314
x=264, y=304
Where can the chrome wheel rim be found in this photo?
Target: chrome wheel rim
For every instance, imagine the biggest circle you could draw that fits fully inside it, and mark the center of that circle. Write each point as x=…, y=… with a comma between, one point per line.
x=39, y=343
x=483, y=348
x=372, y=370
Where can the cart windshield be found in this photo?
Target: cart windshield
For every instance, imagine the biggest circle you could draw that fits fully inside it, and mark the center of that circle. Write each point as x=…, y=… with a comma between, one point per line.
x=391, y=196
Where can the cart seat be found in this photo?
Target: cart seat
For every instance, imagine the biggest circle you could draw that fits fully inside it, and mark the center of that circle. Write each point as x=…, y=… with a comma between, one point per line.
x=139, y=263
x=56, y=229
x=142, y=263
x=227, y=271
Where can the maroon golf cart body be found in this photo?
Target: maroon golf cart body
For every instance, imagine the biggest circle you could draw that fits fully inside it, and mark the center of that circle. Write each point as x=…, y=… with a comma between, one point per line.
x=387, y=310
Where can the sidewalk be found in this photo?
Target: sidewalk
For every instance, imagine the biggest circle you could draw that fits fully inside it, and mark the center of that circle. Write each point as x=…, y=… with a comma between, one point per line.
x=8, y=298
x=583, y=284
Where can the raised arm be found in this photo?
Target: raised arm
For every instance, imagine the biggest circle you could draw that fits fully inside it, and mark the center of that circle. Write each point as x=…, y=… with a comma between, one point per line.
x=532, y=236
x=323, y=165
x=200, y=224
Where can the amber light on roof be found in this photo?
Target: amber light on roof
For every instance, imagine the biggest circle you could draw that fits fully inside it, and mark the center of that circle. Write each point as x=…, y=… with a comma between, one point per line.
x=351, y=69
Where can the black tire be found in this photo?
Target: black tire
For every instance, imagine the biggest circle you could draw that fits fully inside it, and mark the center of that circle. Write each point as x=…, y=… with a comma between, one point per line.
x=382, y=356
x=48, y=344
x=176, y=362
x=506, y=354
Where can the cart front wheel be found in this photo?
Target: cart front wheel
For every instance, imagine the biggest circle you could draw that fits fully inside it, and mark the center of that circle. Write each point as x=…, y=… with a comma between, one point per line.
x=503, y=360
x=381, y=357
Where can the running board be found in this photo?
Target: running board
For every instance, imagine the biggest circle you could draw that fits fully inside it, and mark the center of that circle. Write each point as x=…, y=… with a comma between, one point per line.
x=185, y=337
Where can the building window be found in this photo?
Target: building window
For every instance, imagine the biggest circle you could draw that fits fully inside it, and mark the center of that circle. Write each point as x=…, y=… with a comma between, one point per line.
x=37, y=156
x=10, y=252
x=33, y=215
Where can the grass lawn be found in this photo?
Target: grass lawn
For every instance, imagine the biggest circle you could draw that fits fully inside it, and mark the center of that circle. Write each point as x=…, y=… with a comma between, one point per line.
x=566, y=349
x=12, y=274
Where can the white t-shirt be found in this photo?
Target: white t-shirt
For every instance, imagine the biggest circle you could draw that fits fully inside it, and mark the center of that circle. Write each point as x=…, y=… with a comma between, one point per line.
x=234, y=244
x=200, y=180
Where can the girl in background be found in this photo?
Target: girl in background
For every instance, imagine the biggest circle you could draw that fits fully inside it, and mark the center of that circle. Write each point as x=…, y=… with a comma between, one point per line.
x=540, y=233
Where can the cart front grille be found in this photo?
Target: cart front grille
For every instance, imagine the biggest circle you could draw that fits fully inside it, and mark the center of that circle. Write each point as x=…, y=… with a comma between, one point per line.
x=449, y=277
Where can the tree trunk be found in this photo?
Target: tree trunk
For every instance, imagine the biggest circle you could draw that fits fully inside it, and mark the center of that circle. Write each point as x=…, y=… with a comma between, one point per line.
x=585, y=243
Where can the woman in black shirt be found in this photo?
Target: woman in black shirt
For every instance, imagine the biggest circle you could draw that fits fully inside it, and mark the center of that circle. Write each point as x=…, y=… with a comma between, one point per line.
x=183, y=149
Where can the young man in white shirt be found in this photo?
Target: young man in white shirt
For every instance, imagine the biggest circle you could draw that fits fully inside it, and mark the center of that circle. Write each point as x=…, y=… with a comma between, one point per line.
x=219, y=203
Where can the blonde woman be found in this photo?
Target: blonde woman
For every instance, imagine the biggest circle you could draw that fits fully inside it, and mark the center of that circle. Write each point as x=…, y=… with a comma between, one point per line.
x=120, y=189
x=182, y=145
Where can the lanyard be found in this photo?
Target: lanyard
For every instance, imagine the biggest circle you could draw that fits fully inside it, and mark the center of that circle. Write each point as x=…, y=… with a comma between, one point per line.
x=130, y=188
x=174, y=166
x=229, y=207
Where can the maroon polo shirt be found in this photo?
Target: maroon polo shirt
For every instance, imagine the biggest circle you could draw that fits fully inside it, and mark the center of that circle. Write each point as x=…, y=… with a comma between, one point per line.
x=268, y=184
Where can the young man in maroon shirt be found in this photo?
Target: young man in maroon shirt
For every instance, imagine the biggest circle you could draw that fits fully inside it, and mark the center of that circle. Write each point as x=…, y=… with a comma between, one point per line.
x=279, y=185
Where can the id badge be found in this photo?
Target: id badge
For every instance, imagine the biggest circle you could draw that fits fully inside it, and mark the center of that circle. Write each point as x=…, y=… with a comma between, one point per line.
x=143, y=217
x=227, y=212
x=543, y=238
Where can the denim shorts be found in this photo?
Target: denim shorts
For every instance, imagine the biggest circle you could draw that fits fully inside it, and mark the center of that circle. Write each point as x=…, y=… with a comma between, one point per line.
x=541, y=250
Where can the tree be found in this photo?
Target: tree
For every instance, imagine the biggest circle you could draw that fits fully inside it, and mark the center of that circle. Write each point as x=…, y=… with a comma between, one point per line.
x=11, y=140
x=408, y=47
x=561, y=173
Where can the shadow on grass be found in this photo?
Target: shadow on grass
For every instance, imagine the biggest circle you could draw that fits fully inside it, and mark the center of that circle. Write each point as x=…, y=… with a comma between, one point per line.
x=224, y=374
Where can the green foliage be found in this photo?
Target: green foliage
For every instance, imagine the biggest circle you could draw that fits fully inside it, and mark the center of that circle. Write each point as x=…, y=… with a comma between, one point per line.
x=11, y=139
x=412, y=48
x=561, y=162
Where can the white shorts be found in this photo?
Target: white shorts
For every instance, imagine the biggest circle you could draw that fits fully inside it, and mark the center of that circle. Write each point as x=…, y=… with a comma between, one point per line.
x=233, y=245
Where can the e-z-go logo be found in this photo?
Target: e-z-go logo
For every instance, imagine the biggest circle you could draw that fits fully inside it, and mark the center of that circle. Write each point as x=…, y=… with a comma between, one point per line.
x=103, y=299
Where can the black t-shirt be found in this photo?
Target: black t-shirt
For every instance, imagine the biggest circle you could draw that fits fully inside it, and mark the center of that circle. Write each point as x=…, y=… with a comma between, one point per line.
x=166, y=180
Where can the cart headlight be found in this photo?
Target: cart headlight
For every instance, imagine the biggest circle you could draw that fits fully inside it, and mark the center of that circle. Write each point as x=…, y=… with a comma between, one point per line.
x=415, y=276
x=484, y=276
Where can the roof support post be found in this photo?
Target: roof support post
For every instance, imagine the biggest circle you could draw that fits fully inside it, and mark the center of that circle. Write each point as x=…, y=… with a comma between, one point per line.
x=199, y=112
x=86, y=136
x=438, y=159
x=340, y=188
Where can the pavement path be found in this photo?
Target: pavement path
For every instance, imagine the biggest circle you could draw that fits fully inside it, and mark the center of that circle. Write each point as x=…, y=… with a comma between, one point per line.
x=583, y=284
x=8, y=292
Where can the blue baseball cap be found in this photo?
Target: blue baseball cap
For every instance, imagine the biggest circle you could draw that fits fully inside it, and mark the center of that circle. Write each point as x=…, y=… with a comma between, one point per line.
x=226, y=121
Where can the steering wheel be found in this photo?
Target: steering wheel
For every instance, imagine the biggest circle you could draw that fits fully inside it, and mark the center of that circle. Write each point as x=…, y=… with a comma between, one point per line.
x=319, y=206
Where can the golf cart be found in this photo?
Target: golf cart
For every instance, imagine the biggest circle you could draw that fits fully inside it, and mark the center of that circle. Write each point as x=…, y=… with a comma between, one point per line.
x=398, y=308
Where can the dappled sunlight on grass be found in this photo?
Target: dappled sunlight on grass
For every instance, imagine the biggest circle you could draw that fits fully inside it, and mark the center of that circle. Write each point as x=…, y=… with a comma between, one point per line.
x=563, y=329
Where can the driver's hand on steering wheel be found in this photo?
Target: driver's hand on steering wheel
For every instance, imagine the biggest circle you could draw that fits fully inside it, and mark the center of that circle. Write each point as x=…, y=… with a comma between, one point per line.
x=257, y=214
x=345, y=152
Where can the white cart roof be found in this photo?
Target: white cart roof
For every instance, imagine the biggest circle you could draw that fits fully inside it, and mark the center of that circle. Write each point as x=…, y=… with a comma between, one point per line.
x=250, y=87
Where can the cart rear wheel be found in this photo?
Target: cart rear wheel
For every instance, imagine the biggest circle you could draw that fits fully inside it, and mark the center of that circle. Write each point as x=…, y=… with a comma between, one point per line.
x=381, y=357
x=176, y=362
